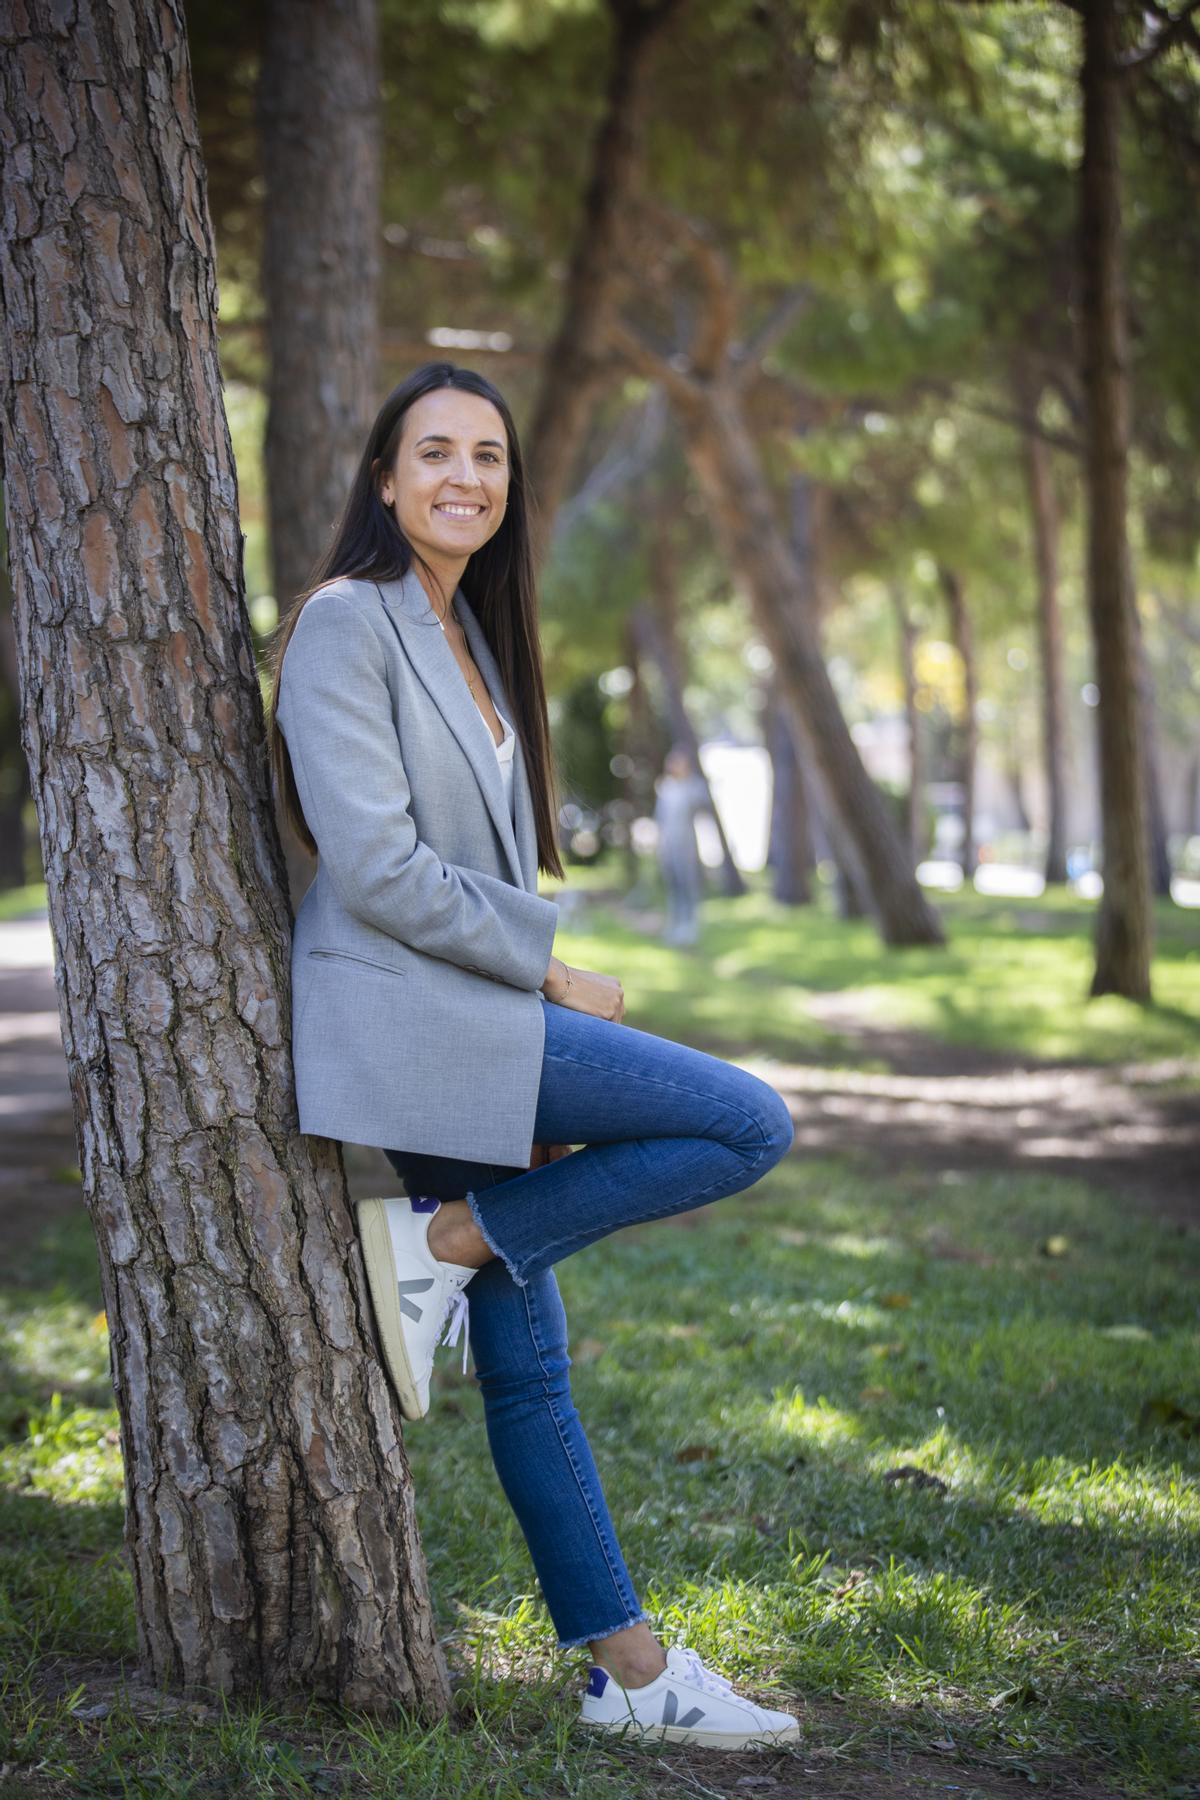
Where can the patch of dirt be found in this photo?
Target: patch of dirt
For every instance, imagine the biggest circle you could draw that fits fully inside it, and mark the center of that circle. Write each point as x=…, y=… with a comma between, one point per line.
x=1133, y=1127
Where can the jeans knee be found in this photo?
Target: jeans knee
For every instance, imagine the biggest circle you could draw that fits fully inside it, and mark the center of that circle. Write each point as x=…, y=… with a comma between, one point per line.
x=775, y=1117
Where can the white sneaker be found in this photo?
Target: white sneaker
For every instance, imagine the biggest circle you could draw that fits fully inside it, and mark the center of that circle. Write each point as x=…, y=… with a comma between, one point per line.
x=412, y=1293
x=687, y=1704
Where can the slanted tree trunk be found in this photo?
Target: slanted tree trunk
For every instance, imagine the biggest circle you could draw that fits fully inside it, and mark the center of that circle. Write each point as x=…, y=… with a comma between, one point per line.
x=963, y=640
x=269, y=1518
x=1124, y=922
x=705, y=384
x=1043, y=509
x=576, y=366
x=912, y=713
x=866, y=841
x=318, y=116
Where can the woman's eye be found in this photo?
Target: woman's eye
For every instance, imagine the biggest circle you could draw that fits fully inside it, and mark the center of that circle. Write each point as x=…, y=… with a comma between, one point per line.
x=490, y=454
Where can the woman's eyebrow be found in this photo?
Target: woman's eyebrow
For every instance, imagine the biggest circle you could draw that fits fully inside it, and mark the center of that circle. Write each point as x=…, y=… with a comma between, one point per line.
x=433, y=437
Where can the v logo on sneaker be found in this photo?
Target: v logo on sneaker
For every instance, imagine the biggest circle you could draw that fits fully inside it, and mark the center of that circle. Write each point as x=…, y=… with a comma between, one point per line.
x=671, y=1708
x=403, y=1288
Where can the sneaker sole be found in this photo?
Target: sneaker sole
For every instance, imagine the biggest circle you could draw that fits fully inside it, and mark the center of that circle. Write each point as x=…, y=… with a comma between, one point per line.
x=385, y=1302
x=683, y=1734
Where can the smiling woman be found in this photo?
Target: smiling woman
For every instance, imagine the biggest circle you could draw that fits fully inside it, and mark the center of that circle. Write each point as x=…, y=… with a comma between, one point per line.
x=420, y=767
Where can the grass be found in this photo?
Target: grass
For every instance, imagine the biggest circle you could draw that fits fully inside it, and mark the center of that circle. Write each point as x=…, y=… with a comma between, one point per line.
x=753, y=1376
x=1012, y=977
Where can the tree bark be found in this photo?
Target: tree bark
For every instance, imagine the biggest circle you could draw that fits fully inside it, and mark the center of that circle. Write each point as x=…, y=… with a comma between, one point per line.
x=1043, y=509
x=318, y=114
x=1124, y=922
x=14, y=771
x=963, y=640
x=269, y=1516
x=576, y=366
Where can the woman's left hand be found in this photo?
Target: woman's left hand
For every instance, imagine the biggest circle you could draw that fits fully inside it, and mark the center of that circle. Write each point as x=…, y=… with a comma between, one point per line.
x=545, y=1153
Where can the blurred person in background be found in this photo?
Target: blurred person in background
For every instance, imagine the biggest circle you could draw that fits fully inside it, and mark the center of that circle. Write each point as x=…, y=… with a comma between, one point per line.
x=681, y=793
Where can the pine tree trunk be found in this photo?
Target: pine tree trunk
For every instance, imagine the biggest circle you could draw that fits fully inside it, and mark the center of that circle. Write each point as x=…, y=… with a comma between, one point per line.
x=912, y=713
x=14, y=770
x=1043, y=510
x=270, y=1530
x=968, y=730
x=1124, y=922
x=318, y=112
x=791, y=851
x=861, y=827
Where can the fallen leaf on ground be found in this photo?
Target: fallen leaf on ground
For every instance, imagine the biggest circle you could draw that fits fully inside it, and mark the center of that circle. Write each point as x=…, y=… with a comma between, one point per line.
x=1161, y=1411
x=695, y=1453
x=918, y=1477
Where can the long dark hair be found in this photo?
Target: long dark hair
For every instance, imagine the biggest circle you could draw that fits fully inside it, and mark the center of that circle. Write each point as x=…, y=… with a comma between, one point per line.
x=498, y=582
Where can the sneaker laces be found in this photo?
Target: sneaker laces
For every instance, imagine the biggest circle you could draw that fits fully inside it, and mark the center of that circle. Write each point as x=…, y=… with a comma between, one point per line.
x=455, y=1320
x=702, y=1676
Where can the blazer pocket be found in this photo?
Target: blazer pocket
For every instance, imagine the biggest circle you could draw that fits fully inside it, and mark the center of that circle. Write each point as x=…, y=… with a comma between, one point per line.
x=353, y=956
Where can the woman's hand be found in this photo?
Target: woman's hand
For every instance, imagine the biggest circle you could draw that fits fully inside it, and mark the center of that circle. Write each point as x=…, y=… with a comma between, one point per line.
x=548, y=1153
x=583, y=990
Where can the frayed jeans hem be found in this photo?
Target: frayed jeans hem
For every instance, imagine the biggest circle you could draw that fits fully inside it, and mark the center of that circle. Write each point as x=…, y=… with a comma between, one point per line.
x=493, y=1246
x=590, y=1637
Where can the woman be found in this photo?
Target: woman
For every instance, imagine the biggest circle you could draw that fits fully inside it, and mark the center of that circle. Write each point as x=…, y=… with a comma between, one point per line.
x=411, y=749
x=681, y=792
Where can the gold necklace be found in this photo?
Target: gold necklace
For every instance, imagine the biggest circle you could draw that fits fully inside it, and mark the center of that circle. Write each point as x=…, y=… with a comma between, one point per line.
x=454, y=616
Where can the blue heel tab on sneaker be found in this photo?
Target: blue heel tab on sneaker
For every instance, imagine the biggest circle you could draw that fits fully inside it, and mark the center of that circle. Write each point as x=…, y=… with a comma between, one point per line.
x=597, y=1681
x=426, y=1203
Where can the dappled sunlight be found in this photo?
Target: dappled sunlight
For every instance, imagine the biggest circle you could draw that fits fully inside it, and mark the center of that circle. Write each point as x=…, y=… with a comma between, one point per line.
x=814, y=1422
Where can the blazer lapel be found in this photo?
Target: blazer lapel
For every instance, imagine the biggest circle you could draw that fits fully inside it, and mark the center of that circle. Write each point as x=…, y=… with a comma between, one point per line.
x=416, y=624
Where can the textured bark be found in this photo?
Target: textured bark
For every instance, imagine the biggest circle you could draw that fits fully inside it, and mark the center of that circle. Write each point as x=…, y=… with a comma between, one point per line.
x=912, y=713
x=269, y=1519
x=576, y=366
x=866, y=840
x=1124, y=922
x=14, y=770
x=318, y=109
x=1043, y=509
x=963, y=639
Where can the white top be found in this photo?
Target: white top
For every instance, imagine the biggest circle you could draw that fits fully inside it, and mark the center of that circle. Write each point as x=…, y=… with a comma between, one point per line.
x=504, y=756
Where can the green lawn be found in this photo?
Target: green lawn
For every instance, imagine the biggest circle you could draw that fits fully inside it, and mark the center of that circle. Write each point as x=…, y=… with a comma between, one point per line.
x=751, y=1376
x=1012, y=977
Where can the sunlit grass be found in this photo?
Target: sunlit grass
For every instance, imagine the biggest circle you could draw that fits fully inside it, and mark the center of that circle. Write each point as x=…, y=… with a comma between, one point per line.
x=914, y=1452
x=1013, y=976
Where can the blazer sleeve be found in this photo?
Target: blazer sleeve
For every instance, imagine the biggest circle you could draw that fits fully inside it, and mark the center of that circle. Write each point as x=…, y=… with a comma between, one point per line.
x=334, y=709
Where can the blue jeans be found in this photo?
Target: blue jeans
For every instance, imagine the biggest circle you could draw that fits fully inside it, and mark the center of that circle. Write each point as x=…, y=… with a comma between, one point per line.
x=665, y=1128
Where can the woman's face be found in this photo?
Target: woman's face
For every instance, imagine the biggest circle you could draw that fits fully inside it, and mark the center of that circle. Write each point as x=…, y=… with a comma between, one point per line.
x=449, y=485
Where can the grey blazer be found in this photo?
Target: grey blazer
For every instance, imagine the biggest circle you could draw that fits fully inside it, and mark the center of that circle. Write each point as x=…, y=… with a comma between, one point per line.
x=421, y=945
